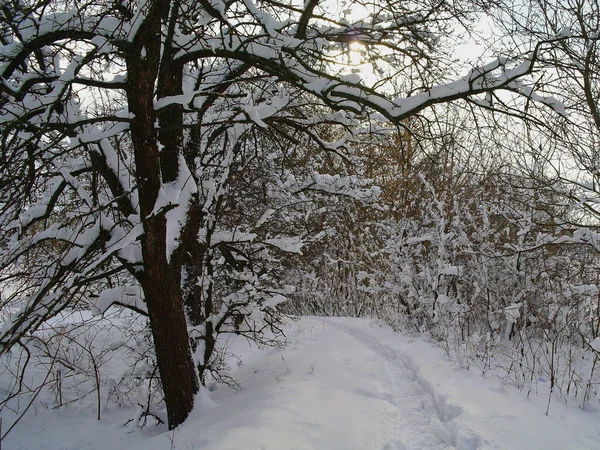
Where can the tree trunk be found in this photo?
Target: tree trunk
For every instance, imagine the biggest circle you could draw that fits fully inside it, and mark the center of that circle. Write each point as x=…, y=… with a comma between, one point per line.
x=161, y=281
x=169, y=330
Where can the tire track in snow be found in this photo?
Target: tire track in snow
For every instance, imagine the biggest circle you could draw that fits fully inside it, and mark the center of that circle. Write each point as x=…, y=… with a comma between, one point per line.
x=423, y=418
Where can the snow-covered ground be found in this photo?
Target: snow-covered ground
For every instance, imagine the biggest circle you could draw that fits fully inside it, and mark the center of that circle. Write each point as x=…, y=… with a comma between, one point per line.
x=340, y=384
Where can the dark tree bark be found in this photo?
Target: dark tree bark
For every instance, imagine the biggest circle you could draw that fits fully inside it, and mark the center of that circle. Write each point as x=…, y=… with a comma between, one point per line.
x=162, y=277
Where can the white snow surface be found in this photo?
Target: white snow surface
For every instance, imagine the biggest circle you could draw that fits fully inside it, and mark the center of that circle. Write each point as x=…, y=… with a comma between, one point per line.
x=339, y=384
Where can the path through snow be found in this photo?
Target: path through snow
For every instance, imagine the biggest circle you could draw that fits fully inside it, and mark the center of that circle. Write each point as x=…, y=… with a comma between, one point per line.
x=334, y=389
x=341, y=384
x=421, y=421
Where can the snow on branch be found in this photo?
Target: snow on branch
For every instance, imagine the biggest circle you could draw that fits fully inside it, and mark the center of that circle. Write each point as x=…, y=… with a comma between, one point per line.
x=127, y=296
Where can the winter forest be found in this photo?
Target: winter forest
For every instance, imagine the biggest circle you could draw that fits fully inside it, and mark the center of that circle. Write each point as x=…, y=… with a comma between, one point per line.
x=175, y=174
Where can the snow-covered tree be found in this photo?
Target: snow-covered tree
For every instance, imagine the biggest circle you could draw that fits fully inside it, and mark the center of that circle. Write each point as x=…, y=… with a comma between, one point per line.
x=131, y=131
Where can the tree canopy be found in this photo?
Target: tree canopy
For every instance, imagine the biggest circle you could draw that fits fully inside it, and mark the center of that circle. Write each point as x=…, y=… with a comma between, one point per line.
x=156, y=154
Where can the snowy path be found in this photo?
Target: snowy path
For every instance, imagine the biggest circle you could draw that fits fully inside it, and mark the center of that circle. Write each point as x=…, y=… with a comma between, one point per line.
x=331, y=388
x=334, y=389
x=420, y=424
x=341, y=384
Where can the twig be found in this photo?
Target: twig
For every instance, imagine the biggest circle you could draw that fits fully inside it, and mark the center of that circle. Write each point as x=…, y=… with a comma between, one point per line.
x=39, y=389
